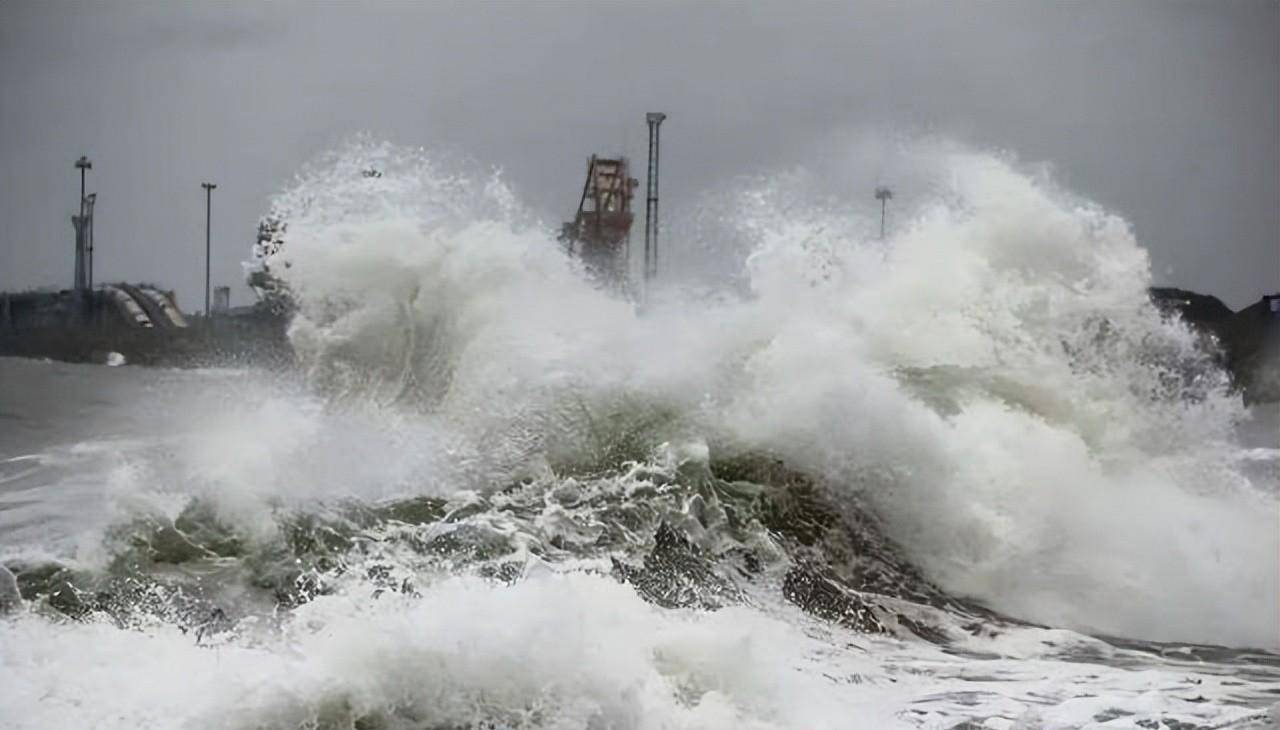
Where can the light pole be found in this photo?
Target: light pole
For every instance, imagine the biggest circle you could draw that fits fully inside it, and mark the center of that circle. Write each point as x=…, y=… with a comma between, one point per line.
x=883, y=194
x=84, y=252
x=654, y=119
x=208, y=206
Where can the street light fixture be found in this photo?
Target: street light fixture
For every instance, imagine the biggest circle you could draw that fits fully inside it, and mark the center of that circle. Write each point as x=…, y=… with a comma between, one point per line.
x=83, y=164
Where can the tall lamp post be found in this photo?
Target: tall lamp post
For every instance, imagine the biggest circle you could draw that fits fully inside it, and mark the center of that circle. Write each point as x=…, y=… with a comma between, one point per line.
x=208, y=206
x=883, y=194
x=654, y=119
x=84, y=254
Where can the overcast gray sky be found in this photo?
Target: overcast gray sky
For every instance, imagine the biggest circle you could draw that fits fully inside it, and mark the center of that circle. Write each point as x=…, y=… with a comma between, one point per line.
x=1166, y=112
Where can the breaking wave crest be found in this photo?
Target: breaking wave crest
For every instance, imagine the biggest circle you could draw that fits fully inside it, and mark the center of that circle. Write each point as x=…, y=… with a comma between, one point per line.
x=992, y=379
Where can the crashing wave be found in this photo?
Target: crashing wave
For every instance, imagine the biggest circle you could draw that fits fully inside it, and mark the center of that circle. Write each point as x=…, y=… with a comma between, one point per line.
x=968, y=476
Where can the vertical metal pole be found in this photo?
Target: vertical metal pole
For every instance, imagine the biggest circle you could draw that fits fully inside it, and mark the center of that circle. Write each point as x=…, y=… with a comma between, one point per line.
x=90, y=202
x=88, y=247
x=648, y=209
x=657, y=153
x=88, y=241
x=208, y=218
x=78, y=272
x=651, y=199
x=81, y=223
x=882, y=204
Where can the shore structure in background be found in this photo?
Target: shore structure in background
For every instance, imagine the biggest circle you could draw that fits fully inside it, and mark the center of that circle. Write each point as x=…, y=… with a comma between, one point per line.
x=600, y=232
x=83, y=223
x=1245, y=342
x=208, y=207
x=654, y=120
x=884, y=195
x=141, y=322
x=108, y=307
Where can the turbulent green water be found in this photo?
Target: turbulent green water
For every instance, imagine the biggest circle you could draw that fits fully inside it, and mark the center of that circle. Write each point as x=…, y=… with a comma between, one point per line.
x=681, y=530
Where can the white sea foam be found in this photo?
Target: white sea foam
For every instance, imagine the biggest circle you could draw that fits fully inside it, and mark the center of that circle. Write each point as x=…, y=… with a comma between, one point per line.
x=561, y=651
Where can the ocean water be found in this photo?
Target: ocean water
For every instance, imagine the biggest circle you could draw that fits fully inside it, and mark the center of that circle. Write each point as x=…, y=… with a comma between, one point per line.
x=964, y=477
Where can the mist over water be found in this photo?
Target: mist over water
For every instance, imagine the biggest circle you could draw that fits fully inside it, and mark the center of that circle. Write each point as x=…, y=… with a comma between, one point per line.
x=482, y=457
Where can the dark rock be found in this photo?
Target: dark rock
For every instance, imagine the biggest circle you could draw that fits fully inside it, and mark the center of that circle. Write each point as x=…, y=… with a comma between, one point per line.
x=1201, y=310
x=65, y=598
x=676, y=575
x=820, y=596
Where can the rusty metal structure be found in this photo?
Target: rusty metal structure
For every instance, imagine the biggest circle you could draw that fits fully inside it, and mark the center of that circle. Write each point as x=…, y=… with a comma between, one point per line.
x=600, y=232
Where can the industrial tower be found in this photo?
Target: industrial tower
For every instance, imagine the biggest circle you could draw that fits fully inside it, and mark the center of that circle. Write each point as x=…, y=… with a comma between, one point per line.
x=600, y=231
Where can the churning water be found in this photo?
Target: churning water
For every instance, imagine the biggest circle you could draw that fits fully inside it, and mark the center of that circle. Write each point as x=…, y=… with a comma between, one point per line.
x=964, y=477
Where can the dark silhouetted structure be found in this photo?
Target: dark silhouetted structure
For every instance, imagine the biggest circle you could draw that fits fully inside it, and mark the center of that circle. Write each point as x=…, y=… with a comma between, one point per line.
x=83, y=223
x=600, y=232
